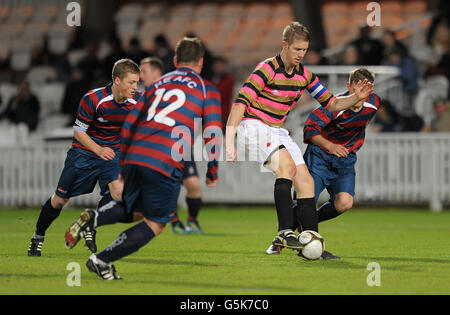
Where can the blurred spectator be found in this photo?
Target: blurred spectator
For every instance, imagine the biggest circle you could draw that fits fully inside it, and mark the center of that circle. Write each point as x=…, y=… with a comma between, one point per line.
x=208, y=61
x=440, y=46
x=164, y=52
x=135, y=52
x=390, y=42
x=442, y=16
x=387, y=118
x=224, y=82
x=314, y=58
x=23, y=107
x=152, y=69
x=442, y=122
x=412, y=123
x=351, y=56
x=63, y=68
x=116, y=53
x=408, y=72
x=370, y=50
x=75, y=90
x=90, y=64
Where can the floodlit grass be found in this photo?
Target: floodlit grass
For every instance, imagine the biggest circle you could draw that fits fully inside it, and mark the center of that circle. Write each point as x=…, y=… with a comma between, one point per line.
x=411, y=247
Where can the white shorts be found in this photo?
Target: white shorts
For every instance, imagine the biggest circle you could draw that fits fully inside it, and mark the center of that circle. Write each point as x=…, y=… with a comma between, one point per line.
x=260, y=141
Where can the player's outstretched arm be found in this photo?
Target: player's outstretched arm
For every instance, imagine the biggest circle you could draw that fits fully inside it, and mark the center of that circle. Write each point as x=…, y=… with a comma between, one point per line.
x=362, y=90
x=234, y=119
x=333, y=148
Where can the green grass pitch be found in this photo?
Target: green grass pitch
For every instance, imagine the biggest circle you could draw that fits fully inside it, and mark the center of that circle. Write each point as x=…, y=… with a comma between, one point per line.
x=410, y=246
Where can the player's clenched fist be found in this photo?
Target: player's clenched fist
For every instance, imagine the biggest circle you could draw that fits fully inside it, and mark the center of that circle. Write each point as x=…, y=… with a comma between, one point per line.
x=230, y=153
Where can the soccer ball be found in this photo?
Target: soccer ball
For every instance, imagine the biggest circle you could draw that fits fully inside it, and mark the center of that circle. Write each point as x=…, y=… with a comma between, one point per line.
x=313, y=243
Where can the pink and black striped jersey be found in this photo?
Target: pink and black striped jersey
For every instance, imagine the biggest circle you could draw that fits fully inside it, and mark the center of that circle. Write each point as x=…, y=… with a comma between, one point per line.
x=101, y=117
x=159, y=132
x=270, y=93
x=346, y=128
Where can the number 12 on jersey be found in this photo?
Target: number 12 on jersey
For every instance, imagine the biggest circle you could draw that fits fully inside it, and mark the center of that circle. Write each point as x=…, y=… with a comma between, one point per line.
x=162, y=117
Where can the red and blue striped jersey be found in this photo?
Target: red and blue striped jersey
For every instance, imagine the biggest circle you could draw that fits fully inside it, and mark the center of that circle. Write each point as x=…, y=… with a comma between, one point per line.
x=346, y=128
x=101, y=117
x=159, y=132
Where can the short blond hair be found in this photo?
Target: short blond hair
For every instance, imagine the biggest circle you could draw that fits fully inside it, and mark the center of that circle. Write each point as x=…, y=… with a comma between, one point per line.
x=124, y=66
x=295, y=31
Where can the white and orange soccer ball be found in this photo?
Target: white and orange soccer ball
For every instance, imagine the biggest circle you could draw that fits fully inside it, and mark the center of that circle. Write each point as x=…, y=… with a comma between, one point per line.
x=314, y=244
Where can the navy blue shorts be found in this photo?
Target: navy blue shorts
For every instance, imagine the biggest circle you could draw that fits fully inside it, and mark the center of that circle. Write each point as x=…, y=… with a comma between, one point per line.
x=190, y=169
x=150, y=192
x=336, y=174
x=82, y=172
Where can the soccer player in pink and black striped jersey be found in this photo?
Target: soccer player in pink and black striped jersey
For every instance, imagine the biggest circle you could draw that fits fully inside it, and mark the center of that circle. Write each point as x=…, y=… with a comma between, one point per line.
x=258, y=114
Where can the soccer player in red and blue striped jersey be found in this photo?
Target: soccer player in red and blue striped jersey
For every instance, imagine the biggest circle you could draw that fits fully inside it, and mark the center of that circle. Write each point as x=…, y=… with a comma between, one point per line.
x=157, y=136
x=333, y=140
x=94, y=156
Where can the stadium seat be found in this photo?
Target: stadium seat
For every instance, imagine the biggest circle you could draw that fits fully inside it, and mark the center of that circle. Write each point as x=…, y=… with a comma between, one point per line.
x=391, y=7
x=434, y=88
x=129, y=13
x=282, y=11
x=7, y=90
x=12, y=134
x=183, y=11
x=154, y=10
x=206, y=11
x=20, y=55
x=74, y=56
x=412, y=9
x=50, y=96
x=58, y=36
x=45, y=13
x=393, y=20
x=21, y=13
x=231, y=10
x=334, y=8
x=258, y=11
x=149, y=30
x=176, y=28
x=41, y=74
x=4, y=12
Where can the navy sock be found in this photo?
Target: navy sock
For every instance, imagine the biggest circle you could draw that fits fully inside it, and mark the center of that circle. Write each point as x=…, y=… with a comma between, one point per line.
x=283, y=203
x=194, y=205
x=105, y=199
x=127, y=243
x=307, y=214
x=46, y=217
x=327, y=211
x=113, y=212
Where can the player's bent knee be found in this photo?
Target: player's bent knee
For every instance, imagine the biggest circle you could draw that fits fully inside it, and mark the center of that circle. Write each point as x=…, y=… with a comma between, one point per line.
x=58, y=202
x=192, y=185
x=343, y=205
x=287, y=170
x=137, y=216
x=116, y=195
x=156, y=227
x=116, y=189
